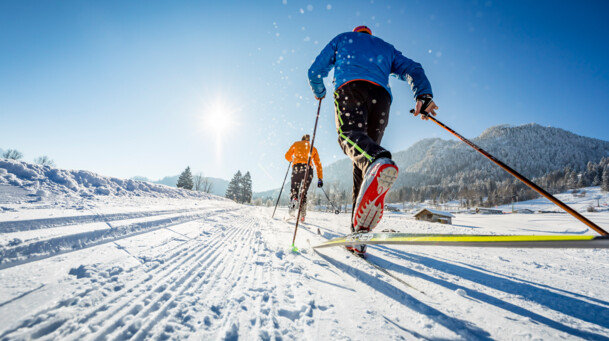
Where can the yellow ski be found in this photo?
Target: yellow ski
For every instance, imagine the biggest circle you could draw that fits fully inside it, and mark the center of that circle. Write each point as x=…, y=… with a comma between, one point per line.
x=466, y=240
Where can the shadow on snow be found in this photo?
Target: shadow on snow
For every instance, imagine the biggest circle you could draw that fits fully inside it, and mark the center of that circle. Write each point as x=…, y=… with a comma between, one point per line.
x=570, y=306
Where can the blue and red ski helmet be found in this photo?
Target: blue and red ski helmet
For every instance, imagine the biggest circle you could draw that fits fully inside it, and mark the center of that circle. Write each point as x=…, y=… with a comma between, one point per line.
x=363, y=29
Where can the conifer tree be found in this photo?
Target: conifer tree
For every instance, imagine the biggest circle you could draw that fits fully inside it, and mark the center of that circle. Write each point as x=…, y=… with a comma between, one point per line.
x=185, y=179
x=233, y=190
x=246, y=188
x=605, y=180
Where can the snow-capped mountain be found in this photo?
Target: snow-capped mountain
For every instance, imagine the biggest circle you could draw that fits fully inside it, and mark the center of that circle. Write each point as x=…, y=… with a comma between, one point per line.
x=530, y=149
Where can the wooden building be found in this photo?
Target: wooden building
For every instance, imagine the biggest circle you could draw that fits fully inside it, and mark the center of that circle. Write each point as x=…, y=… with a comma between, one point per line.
x=484, y=210
x=434, y=216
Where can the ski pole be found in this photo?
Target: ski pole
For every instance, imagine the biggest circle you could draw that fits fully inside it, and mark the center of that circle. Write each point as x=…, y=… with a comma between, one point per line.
x=306, y=177
x=521, y=178
x=336, y=211
x=281, y=190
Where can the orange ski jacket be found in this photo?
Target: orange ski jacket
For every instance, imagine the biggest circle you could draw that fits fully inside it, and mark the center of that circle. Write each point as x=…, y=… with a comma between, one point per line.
x=299, y=153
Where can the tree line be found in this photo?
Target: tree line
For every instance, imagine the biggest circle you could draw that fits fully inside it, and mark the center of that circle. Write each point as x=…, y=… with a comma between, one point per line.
x=479, y=193
x=240, y=188
x=489, y=193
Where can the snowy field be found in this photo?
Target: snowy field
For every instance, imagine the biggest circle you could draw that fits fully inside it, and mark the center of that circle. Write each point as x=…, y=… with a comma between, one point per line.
x=84, y=263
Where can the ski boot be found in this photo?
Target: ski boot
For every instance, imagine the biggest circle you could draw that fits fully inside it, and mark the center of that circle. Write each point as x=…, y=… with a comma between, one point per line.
x=293, y=208
x=370, y=202
x=303, y=213
x=358, y=250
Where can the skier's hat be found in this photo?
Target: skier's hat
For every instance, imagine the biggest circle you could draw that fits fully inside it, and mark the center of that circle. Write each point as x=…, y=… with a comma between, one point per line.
x=363, y=29
x=306, y=137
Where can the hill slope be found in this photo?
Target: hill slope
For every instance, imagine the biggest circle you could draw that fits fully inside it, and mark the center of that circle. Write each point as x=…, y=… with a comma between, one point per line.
x=530, y=149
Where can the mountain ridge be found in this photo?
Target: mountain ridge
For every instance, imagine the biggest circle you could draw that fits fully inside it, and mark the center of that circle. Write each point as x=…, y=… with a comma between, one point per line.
x=531, y=149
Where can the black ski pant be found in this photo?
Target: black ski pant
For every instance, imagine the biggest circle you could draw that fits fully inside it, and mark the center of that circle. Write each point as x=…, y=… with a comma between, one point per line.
x=362, y=113
x=298, y=175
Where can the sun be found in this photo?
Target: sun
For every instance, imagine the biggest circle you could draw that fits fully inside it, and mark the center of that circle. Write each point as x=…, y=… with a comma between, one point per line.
x=218, y=118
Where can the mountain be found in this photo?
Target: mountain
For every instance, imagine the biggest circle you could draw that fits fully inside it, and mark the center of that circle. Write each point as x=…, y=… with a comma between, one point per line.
x=219, y=186
x=531, y=149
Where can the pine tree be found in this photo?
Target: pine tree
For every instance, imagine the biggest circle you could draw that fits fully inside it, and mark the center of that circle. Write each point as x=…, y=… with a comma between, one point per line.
x=185, y=179
x=605, y=180
x=597, y=180
x=233, y=190
x=246, y=189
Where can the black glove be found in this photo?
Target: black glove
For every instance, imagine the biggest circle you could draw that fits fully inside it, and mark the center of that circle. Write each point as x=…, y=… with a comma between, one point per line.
x=320, y=183
x=426, y=100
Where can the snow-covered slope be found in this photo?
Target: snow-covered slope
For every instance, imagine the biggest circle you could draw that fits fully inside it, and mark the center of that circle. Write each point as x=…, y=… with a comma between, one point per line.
x=40, y=181
x=530, y=149
x=174, y=266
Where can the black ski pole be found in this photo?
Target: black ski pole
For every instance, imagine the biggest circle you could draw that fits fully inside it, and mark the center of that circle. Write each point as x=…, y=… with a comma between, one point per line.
x=302, y=192
x=336, y=211
x=281, y=190
x=518, y=176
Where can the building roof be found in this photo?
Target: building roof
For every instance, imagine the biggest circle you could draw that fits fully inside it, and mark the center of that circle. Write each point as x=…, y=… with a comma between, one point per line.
x=436, y=212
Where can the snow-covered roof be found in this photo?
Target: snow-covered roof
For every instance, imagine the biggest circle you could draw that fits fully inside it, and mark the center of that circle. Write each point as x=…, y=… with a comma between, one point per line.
x=436, y=212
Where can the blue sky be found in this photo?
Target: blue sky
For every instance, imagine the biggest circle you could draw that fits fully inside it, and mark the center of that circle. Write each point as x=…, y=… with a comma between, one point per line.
x=126, y=88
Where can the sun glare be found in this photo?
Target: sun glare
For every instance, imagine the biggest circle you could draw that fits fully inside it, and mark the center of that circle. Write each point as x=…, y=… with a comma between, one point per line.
x=218, y=121
x=218, y=118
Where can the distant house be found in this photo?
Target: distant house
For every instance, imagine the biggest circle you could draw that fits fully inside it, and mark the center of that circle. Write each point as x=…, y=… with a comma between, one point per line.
x=483, y=210
x=524, y=211
x=434, y=216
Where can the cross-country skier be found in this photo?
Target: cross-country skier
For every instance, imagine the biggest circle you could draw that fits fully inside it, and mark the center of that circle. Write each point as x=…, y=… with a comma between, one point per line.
x=299, y=154
x=362, y=64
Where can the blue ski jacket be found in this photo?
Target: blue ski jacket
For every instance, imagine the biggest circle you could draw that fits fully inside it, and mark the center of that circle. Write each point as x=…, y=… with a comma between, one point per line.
x=361, y=56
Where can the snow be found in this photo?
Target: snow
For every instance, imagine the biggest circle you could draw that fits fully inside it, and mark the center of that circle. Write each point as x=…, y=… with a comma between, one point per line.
x=147, y=262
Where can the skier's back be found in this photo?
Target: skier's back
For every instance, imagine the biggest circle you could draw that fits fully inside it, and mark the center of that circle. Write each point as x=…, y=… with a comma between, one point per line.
x=362, y=65
x=298, y=154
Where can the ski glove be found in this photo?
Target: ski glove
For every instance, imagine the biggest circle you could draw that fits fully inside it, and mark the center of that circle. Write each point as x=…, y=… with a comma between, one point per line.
x=426, y=100
x=320, y=95
x=425, y=106
x=320, y=183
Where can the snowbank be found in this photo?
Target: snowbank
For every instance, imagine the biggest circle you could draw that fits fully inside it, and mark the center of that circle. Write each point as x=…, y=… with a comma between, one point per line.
x=44, y=180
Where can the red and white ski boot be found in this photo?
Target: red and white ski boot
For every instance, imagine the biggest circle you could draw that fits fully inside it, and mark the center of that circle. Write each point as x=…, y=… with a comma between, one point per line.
x=358, y=250
x=370, y=202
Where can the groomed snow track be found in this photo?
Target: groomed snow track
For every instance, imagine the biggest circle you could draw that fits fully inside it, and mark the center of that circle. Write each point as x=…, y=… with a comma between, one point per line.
x=96, y=229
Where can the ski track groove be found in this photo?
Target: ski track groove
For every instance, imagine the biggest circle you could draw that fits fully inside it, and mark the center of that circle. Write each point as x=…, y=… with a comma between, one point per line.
x=143, y=332
x=226, y=307
x=234, y=273
x=103, y=306
x=56, y=324
x=231, y=273
x=45, y=223
x=131, y=303
x=79, y=241
x=166, y=300
x=161, y=292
